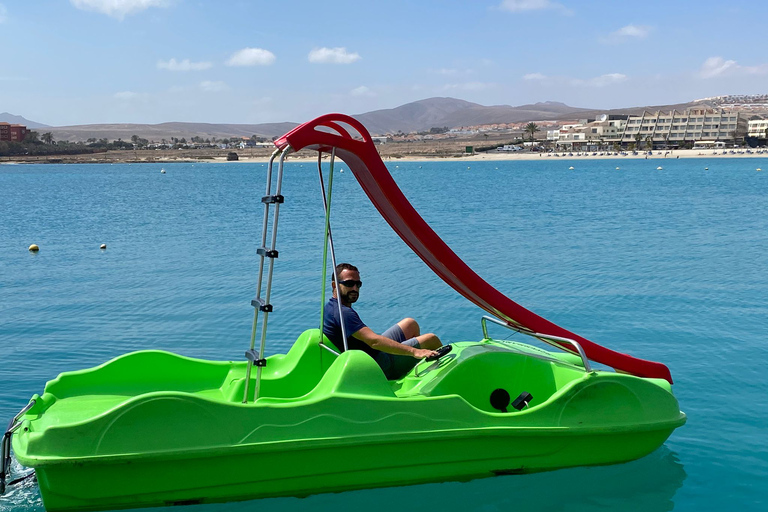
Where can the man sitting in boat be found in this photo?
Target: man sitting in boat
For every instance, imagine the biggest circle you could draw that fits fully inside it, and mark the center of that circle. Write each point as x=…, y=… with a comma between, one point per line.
x=396, y=350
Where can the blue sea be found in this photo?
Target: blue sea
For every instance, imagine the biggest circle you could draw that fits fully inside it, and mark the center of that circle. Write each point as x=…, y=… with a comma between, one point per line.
x=669, y=265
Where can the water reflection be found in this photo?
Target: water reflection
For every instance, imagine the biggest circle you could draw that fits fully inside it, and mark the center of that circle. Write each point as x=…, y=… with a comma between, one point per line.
x=645, y=485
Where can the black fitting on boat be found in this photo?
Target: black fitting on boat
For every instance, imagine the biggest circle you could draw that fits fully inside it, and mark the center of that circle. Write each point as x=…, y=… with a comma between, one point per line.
x=500, y=399
x=253, y=356
x=273, y=199
x=262, y=251
x=522, y=401
x=262, y=305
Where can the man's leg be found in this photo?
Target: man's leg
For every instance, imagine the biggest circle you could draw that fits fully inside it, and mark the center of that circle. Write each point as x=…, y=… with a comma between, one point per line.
x=429, y=341
x=411, y=329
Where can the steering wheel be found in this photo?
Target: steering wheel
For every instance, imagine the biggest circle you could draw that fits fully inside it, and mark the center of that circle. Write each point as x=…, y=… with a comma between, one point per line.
x=440, y=353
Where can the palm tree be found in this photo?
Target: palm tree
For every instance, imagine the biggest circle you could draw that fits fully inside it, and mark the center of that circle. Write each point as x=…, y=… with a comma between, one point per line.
x=649, y=142
x=532, y=129
x=638, y=138
x=47, y=137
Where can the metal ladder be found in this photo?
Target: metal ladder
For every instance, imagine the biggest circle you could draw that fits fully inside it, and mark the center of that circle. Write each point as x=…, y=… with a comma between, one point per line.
x=261, y=304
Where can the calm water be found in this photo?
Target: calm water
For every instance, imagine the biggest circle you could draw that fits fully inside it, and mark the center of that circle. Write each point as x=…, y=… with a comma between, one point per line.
x=667, y=265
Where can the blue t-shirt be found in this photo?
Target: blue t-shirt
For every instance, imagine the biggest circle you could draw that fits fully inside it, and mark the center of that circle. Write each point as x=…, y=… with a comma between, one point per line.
x=352, y=324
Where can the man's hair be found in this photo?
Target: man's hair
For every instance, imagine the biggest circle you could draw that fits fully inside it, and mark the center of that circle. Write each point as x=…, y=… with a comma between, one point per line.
x=343, y=266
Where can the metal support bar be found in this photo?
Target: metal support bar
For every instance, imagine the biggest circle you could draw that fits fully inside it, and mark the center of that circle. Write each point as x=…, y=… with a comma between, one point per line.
x=546, y=338
x=5, y=445
x=329, y=238
x=329, y=349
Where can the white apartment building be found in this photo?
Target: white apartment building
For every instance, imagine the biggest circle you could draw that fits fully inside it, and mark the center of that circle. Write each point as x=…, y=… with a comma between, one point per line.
x=691, y=125
x=757, y=128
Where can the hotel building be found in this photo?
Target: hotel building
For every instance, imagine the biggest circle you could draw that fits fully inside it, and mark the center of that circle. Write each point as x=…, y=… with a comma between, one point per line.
x=12, y=132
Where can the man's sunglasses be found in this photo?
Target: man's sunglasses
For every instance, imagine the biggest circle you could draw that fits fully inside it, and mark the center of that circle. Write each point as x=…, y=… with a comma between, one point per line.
x=349, y=283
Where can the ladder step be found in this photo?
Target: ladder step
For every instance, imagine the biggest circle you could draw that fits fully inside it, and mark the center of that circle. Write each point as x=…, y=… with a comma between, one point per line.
x=253, y=355
x=262, y=251
x=279, y=199
x=262, y=305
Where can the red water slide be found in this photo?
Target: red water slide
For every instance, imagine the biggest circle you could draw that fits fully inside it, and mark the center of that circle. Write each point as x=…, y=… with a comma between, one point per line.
x=355, y=147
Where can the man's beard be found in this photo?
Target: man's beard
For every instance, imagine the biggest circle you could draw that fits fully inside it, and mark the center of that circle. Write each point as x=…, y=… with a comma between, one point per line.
x=346, y=299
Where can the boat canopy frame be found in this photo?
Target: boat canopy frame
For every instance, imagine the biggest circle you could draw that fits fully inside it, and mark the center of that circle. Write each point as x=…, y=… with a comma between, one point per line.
x=344, y=137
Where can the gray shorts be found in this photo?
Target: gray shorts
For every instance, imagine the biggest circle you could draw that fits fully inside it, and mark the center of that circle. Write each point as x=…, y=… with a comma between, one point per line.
x=395, y=367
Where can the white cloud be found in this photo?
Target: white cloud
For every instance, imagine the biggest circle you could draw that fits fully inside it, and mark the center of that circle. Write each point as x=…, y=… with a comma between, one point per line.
x=627, y=33
x=209, y=86
x=640, y=31
x=251, y=57
x=605, y=80
x=118, y=8
x=469, y=86
x=126, y=95
x=332, y=56
x=452, y=71
x=533, y=5
x=600, y=81
x=184, y=65
x=717, y=67
x=362, y=91
x=3, y=13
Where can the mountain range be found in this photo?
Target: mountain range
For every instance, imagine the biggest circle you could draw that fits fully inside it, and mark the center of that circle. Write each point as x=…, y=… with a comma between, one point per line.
x=416, y=116
x=5, y=117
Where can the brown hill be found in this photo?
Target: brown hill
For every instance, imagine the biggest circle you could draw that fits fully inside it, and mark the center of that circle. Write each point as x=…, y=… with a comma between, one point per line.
x=158, y=132
x=416, y=116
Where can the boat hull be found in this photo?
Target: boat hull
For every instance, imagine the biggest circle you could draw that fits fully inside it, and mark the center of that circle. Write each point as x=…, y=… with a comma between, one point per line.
x=294, y=469
x=153, y=428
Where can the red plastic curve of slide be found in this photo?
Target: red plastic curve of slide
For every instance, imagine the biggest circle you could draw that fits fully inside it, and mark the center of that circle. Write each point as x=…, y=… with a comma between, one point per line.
x=355, y=147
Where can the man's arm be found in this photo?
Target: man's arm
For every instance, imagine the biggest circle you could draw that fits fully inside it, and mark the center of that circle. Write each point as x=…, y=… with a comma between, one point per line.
x=390, y=346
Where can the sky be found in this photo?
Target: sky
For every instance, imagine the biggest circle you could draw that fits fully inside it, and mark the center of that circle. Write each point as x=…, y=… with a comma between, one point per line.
x=69, y=62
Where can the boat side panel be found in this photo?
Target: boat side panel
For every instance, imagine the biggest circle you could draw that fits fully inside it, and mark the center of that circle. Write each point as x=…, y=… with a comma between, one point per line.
x=396, y=460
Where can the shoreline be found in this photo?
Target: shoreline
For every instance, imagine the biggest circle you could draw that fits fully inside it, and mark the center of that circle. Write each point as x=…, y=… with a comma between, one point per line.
x=490, y=157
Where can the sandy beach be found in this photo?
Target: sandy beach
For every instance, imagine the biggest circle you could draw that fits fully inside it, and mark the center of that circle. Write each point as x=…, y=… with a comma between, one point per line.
x=389, y=153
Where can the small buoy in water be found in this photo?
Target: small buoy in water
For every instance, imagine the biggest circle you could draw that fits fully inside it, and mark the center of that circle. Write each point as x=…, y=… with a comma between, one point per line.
x=34, y=248
x=706, y=168
x=618, y=168
x=659, y=168
x=467, y=167
x=570, y=168
x=103, y=246
x=341, y=170
x=759, y=169
x=162, y=171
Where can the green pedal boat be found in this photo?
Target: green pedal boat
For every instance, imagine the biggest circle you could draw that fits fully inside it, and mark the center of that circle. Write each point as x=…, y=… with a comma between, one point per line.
x=152, y=428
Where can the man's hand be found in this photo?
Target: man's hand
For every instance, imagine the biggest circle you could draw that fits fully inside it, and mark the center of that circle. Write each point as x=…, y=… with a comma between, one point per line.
x=421, y=353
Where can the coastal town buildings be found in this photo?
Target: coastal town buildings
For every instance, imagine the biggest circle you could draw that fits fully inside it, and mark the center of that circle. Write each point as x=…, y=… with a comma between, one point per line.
x=696, y=124
x=12, y=132
x=699, y=126
x=758, y=128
